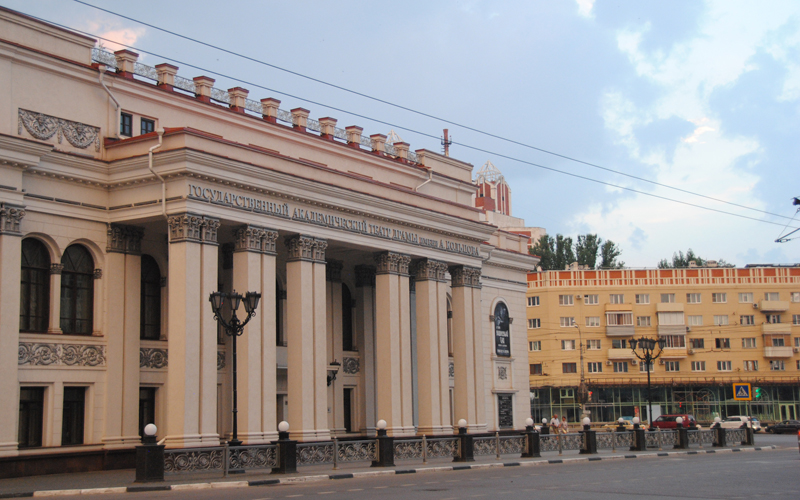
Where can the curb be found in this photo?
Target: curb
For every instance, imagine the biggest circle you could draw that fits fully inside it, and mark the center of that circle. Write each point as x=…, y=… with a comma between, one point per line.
x=353, y=475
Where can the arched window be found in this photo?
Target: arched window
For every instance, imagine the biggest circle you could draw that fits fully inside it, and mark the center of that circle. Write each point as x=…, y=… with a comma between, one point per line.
x=150, y=315
x=34, y=300
x=77, y=291
x=347, y=319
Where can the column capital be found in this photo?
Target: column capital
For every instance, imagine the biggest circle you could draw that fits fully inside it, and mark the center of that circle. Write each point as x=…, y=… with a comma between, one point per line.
x=302, y=247
x=465, y=276
x=333, y=271
x=365, y=276
x=392, y=263
x=124, y=239
x=192, y=227
x=56, y=268
x=10, y=218
x=210, y=227
x=248, y=238
x=429, y=270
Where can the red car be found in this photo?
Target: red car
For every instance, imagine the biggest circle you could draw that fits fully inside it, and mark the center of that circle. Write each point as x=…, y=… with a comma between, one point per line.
x=669, y=421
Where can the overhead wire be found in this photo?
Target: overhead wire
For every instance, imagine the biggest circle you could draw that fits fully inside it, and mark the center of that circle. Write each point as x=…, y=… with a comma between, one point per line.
x=424, y=134
x=421, y=113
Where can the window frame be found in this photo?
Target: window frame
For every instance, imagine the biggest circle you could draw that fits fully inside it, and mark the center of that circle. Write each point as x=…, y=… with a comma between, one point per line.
x=669, y=296
x=568, y=368
x=534, y=323
x=724, y=366
x=643, y=321
x=566, y=300
x=719, y=298
x=591, y=299
x=77, y=293
x=694, y=298
x=722, y=342
x=533, y=301
x=150, y=128
x=672, y=366
x=566, y=342
x=35, y=270
x=126, y=124
x=642, y=298
x=746, y=297
x=698, y=366
x=620, y=366
x=616, y=298
x=592, y=321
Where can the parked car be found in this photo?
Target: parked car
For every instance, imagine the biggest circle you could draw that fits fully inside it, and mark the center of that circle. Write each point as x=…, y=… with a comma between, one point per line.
x=669, y=421
x=736, y=421
x=627, y=422
x=787, y=426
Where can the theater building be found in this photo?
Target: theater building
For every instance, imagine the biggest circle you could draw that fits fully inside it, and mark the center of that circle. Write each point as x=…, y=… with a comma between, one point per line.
x=384, y=293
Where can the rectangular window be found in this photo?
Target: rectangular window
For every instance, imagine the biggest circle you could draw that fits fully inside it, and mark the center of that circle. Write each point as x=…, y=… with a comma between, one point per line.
x=749, y=343
x=692, y=298
x=593, y=345
x=619, y=318
x=533, y=301
x=719, y=298
x=667, y=298
x=536, y=369
x=646, y=367
x=772, y=296
x=642, y=298
x=773, y=318
x=31, y=416
x=126, y=124
x=796, y=319
x=535, y=345
x=721, y=343
x=751, y=366
x=720, y=319
x=591, y=300
x=746, y=298
x=670, y=318
x=567, y=393
x=674, y=341
x=672, y=366
x=592, y=320
x=698, y=366
x=534, y=323
x=797, y=341
x=616, y=298
x=723, y=366
x=795, y=296
x=778, y=342
x=748, y=319
x=594, y=367
x=567, y=321
x=567, y=345
x=777, y=365
x=72, y=422
x=148, y=126
x=695, y=320
x=620, y=367
x=565, y=300
x=798, y=364
x=619, y=343
x=642, y=320
x=569, y=368
x=697, y=343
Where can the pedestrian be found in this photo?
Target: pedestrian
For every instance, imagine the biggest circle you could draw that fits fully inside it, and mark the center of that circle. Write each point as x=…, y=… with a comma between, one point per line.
x=564, y=428
x=554, y=423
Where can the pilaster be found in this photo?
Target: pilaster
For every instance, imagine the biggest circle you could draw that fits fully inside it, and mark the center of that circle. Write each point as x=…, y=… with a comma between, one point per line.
x=467, y=350
x=333, y=276
x=365, y=334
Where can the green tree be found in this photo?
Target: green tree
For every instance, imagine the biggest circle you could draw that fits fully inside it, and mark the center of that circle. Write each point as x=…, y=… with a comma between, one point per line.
x=565, y=255
x=586, y=249
x=680, y=260
x=557, y=253
x=545, y=249
x=609, y=253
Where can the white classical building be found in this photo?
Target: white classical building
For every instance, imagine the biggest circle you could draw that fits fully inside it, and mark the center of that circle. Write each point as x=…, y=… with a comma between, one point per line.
x=384, y=294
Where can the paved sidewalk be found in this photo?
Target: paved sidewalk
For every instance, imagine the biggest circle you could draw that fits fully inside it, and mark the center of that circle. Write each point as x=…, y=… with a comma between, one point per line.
x=123, y=480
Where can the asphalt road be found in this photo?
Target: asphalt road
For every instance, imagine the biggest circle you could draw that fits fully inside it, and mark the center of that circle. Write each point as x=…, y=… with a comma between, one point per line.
x=737, y=475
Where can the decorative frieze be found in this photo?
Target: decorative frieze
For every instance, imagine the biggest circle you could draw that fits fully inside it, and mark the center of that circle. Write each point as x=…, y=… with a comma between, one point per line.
x=430, y=270
x=153, y=358
x=333, y=271
x=465, y=276
x=220, y=360
x=41, y=354
x=191, y=227
x=392, y=263
x=98, y=274
x=303, y=247
x=451, y=370
x=10, y=218
x=124, y=239
x=502, y=373
x=56, y=268
x=44, y=127
x=365, y=276
x=351, y=366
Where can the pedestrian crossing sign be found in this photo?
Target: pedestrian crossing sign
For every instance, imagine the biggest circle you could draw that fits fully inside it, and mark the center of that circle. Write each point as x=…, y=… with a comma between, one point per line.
x=741, y=392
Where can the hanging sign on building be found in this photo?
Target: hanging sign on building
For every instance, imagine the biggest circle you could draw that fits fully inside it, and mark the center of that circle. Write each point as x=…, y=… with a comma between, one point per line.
x=505, y=409
x=502, y=344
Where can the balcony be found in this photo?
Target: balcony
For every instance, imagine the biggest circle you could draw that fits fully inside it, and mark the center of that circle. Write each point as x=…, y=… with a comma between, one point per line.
x=620, y=354
x=674, y=353
x=619, y=307
x=776, y=329
x=773, y=305
x=671, y=330
x=778, y=352
x=620, y=331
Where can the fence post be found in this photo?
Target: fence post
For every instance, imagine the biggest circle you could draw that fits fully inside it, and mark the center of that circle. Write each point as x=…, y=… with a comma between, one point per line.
x=589, y=438
x=149, y=457
x=720, y=441
x=497, y=444
x=335, y=453
x=749, y=436
x=424, y=449
x=465, y=451
x=531, y=441
x=639, y=442
x=287, y=451
x=385, y=447
x=545, y=429
x=683, y=436
x=226, y=460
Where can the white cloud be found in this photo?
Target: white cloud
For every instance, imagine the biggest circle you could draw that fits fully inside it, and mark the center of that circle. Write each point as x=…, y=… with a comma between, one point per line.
x=114, y=36
x=585, y=7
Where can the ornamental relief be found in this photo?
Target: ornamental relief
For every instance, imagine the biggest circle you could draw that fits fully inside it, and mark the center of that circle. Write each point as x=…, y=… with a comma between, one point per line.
x=351, y=366
x=43, y=127
x=153, y=358
x=220, y=360
x=36, y=354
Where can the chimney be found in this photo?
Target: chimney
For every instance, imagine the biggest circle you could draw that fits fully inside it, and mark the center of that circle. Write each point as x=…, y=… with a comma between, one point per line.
x=269, y=109
x=166, y=75
x=300, y=118
x=354, y=136
x=238, y=98
x=126, y=62
x=202, y=88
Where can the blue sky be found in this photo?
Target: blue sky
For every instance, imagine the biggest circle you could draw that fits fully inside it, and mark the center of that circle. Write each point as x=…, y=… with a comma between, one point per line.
x=702, y=96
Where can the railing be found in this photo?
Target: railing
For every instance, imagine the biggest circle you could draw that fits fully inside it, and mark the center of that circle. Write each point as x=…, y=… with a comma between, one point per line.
x=194, y=460
x=252, y=457
x=736, y=436
x=701, y=437
x=424, y=448
x=661, y=438
x=614, y=440
x=107, y=58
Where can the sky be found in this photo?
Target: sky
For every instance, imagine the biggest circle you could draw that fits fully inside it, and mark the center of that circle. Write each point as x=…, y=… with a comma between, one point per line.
x=667, y=100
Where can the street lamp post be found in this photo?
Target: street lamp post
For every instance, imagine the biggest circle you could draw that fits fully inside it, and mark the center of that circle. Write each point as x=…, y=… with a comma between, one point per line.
x=648, y=346
x=234, y=328
x=582, y=391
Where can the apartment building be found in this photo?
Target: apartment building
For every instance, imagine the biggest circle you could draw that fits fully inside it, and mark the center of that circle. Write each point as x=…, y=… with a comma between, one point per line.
x=719, y=326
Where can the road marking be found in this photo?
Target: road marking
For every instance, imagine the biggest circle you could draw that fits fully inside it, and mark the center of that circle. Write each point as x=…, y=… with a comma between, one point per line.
x=433, y=482
x=380, y=487
x=325, y=492
x=408, y=484
x=357, y=489
x=294, y=496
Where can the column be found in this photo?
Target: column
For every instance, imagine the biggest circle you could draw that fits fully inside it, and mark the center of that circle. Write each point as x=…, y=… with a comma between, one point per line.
x=333, y=278
x=307, y=331
x=468, y=393
x=269, y=325
x=192, y=370
x=10, y=275
x=365, y=333
x=432, y=361
x=55, y=298
x=122, y=325
x=393, y=344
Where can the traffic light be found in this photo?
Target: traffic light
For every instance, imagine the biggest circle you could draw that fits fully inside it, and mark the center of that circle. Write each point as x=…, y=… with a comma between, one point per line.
x=590, y=395
x=757, y=392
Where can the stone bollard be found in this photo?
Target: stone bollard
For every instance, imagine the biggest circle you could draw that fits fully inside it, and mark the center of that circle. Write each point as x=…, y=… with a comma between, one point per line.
x=720, y=434
x=465, y=450
x=532, y=441
x=385, y=447
x=545, y=428
x=683, y=435
x=749, y=436
x=589, y=438
x=149, y=457
x=639, y=443
x=287, y=451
